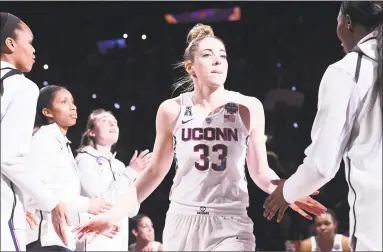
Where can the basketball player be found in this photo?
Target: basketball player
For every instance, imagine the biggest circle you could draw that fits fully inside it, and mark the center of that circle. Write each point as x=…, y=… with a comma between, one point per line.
x=104, y=176
x=52, y=161
x=18, y=107
x=350, y=96
x=143, y=231
x=211, y=131
x=326, y=238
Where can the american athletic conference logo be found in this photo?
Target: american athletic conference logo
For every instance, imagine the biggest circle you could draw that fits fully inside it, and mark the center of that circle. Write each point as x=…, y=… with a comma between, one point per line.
x=202, y=211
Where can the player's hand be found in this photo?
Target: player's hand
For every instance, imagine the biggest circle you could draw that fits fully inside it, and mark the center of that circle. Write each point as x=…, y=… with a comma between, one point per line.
x=94, y=227
x=276, y=203
x=140, y=162
x=31, y=219
x=60, y=221
x=109, y=233
x=98, y=206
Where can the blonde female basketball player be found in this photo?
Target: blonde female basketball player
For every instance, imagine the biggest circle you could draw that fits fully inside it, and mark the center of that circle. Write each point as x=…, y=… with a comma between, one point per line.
x=211, y=132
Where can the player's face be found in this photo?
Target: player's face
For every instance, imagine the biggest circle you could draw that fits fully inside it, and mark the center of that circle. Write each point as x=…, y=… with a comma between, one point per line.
x=106, y=130
x=23, y=51
x=62, y=111
x=344, y=34
x=145, y=230
x=210, y=63
x=325, y=225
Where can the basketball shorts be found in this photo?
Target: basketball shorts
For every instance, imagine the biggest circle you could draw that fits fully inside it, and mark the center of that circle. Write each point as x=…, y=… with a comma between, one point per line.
x=203, y=229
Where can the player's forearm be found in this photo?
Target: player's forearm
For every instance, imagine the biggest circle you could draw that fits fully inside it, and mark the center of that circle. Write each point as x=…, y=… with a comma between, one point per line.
x=263, y=179
x=147, y=182
x=305, y=181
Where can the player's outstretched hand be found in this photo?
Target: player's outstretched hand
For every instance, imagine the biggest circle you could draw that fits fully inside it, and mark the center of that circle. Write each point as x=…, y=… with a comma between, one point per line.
x=94, y=227
x=276, y=203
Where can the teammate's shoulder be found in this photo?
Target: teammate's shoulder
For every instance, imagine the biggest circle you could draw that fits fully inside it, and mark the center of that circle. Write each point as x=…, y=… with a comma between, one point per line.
x=346, y=64
x=21, y=84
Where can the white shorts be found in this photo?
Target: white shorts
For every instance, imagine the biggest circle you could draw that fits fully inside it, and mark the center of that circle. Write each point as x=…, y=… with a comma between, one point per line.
x=185, y=230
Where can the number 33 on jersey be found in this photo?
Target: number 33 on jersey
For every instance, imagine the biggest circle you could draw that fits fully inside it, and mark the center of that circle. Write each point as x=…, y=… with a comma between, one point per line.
x=210, y=151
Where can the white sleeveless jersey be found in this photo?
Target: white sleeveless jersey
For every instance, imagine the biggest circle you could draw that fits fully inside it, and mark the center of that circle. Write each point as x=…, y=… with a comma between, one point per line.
x=210, y=157
x=336, y=247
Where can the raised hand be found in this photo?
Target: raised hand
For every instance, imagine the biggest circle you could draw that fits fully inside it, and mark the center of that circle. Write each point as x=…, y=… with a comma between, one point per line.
x=140, y=162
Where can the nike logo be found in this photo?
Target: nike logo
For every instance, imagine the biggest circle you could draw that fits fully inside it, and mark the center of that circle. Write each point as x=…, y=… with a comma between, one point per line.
x=183, y=122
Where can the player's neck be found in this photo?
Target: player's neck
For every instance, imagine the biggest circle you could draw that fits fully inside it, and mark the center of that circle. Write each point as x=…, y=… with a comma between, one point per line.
x=209, y=97
x=7, y=58
x=103, y=149
x=140, y=245
x=325, y=243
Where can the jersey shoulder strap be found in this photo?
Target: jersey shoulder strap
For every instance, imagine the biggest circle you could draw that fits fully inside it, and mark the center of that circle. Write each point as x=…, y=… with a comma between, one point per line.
x=360, y=53
x=8, y=74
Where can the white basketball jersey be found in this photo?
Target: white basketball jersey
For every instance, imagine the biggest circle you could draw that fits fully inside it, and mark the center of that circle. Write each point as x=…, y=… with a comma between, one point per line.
x=210, y=157
x=336, y=247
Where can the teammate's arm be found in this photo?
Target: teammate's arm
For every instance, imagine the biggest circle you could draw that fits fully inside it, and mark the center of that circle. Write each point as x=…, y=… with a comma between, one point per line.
x=337, y=103
x=257, y=164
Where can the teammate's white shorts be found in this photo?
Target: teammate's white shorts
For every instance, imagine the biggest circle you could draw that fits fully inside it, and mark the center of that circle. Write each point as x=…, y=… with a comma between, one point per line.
x=202, y=229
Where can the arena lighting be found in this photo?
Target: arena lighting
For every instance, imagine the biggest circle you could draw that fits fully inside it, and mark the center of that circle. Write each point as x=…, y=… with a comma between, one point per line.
x=295, y=125
x=133, y=108
x=125, y=36
x=45, y=83
x=143, y=36
x=293, y=88
x=117, y=106
x=45, y=66
x=279, y=65
x=94, y=96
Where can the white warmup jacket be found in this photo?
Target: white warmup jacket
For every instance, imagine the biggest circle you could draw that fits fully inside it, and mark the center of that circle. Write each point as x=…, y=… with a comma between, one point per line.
x=51, y=159
x=105, y=177
x=18, y=109
x=348, y=124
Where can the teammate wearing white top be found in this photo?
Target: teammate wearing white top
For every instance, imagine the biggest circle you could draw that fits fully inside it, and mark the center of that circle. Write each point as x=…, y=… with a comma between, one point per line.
x=104, y=176
x=326, y=238
x=349, y=125
x=18, y=107
x=211, y=131
x=52, y=160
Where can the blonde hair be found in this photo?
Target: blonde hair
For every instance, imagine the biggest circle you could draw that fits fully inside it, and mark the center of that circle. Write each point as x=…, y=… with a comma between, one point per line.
x=195, y=35
x=86, y=138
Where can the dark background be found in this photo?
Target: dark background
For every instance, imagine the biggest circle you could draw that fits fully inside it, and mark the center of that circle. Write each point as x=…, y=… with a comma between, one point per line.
x=301, y=36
